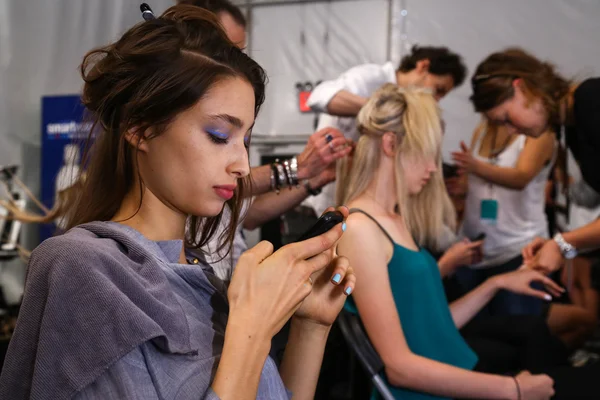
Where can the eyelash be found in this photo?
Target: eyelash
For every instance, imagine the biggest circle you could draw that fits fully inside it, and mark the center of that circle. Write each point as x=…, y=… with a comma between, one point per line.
x=221, y=138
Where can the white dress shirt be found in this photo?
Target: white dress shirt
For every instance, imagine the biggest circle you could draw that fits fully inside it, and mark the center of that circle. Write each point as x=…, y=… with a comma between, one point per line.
x=363, y=81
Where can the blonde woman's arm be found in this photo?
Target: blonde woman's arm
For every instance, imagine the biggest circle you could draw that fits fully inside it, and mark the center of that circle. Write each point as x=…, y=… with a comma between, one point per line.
x=365, y=246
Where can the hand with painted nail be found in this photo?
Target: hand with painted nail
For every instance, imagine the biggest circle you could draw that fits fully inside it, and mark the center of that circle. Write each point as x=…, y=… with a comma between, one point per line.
x=520, y=281
x=330, y=287
x=268, y=287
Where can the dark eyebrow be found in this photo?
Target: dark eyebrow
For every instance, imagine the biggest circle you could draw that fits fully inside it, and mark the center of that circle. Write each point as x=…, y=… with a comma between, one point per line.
x=230, y=119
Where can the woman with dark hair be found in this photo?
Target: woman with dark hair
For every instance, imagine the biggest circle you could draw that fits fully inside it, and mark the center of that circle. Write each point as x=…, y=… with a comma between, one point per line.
x=515, y=89
x=113, y=308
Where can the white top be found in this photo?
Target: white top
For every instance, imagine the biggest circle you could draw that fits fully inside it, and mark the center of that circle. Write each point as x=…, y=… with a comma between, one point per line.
x=521, y=216
x=224, y=266
x=362, y=80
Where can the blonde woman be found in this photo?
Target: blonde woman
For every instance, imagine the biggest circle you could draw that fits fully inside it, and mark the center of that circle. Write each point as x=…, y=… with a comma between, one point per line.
x=395, y=190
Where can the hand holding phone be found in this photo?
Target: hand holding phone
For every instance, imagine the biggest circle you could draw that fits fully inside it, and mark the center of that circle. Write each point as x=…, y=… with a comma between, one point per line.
x=479, y=237
x=323, y=224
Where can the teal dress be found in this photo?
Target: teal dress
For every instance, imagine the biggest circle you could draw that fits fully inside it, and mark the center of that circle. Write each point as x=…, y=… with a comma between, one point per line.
x=423, y=309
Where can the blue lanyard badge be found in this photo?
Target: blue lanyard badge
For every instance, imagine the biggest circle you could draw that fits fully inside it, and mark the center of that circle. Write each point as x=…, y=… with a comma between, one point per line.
x=489, y=211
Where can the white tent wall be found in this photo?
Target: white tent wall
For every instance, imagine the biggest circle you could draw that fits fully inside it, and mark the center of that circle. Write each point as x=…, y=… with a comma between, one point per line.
x=311, y=42
x=42, y=42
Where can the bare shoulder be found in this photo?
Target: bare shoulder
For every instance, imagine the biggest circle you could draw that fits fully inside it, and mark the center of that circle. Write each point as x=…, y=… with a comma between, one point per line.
x=361, y=228
x=363, y=237
x=543, y=145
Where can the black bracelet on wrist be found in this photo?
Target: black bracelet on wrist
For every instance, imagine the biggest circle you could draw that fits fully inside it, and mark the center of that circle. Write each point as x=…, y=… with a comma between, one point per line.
x=288, y=173
x=276, y=180
x=518, y=388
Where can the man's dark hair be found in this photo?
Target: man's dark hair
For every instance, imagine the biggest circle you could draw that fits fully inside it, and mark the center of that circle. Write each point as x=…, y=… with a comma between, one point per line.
x=217, y=6
x=441, y=62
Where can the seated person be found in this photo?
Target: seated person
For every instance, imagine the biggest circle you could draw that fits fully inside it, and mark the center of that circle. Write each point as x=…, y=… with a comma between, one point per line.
x=395, y=184
x=113, y=309
x=323, y=148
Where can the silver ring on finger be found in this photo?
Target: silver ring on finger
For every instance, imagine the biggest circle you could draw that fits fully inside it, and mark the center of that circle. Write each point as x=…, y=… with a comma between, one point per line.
x=331, y=147
x=310, y=281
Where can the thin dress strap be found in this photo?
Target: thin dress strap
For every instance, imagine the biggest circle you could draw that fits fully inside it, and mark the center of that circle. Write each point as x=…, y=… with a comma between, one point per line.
x=358, y=210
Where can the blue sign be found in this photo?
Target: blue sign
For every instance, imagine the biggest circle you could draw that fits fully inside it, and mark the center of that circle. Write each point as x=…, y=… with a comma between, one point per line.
x=63, y=136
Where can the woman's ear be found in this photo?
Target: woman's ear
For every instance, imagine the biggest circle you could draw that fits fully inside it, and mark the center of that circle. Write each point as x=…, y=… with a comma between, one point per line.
x=388, y=144
x=521, y=90
x=422, y=66
x=137, y=139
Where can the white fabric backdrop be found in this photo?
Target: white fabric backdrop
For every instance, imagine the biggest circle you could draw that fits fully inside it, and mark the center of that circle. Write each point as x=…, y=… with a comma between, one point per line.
x=42, y=43
x=563, y=31
x=309, y=42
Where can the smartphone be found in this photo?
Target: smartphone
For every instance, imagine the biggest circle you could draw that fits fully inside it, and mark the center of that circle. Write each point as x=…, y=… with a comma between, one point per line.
x=323, y=224
x=479, y=237
x=449, y=170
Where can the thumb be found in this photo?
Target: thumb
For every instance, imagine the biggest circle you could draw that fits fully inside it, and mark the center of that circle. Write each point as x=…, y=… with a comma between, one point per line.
x=463, y=146
x=476, y=244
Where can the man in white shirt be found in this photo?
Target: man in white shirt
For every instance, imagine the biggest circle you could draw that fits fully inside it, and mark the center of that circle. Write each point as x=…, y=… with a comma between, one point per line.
x=340, y=100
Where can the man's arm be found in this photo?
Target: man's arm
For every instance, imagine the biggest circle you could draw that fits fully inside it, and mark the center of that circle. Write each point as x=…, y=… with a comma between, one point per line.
x=586, y=237
x=318, y=154
x=345, y=104
x=345, y=95
x=271, y=205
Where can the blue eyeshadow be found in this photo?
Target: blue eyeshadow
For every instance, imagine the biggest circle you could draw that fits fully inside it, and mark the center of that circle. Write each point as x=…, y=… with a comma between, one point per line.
x=218, y=134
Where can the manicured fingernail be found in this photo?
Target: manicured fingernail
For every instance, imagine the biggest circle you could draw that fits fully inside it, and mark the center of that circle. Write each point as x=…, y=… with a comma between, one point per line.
x=337, y=278
x=548, y=297
x=348, y=291
x=343, y=227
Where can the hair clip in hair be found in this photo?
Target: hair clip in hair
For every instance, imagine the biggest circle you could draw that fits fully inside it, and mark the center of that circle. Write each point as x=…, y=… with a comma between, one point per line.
x=147, y=13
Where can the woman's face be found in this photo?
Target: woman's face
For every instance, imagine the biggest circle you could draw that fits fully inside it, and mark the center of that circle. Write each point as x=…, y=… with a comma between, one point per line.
x=417, y=173
x=521, y=114
x=195, y=165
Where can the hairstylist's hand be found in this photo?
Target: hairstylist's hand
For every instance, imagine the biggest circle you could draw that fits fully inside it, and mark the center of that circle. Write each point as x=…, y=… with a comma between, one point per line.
x=543, y=255
x=325, y=177
x=520, y=281
x=462, y=253
x=331, y=286
x=267, y=288
x=465, y=160
x=534, y=387
x=323, y=147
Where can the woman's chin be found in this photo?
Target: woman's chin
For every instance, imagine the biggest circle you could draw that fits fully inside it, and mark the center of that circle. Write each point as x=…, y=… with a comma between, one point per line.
x=209, y=210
